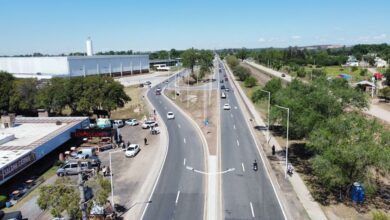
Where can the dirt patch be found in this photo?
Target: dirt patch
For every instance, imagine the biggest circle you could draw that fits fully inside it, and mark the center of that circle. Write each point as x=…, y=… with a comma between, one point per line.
x=136, y=108
x=201, y=105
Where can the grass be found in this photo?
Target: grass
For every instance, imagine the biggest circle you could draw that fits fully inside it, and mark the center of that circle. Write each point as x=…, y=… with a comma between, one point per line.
x=334, y=71
x=136, y=108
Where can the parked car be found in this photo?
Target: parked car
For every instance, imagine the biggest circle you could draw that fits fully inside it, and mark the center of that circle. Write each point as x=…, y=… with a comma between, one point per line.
x=148, y=83
x=158, y=91
x=148, y=124
x=170, y=115
x=226, y=106
x=132, y=122
x=118, y=123
x=84, y=153
x=71, y=168
x=17, y=215
x=132, y=150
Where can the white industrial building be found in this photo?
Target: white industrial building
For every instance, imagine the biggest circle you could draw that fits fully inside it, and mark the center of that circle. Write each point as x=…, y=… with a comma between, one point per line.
x=69, y=66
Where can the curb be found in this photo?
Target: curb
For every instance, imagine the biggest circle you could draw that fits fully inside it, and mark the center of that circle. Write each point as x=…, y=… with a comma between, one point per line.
x=206, y=152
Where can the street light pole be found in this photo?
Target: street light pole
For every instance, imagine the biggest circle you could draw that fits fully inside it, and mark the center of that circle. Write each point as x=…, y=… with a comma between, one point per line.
x=288, y=121
x=112, y=185
x=269, y=104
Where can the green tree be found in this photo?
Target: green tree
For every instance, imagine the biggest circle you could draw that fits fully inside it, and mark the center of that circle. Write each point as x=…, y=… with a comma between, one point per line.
x=189, y=58
x=385, y=92
x=23, y=95
x=241, y=72
x=347, y=147
x=174, y=53
x=250, y=82
x=387, y=75
x=232, y=61
x=54, y=96
x=60, y=197
x=6, y=83
x=273, y=86
x=242, y=54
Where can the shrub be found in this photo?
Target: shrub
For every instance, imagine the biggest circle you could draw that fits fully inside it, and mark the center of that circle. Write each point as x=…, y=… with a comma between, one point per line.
x=241, y=72
x=301, y=72
x=3, y=199
x=250, y=82
x=379, y=215
x=354, y=68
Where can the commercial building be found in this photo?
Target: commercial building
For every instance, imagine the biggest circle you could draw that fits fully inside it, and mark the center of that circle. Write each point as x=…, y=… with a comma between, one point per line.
x=70, y=66
x=25, y=140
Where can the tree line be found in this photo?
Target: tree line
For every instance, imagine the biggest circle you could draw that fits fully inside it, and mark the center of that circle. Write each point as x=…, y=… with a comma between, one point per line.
x=242, y=73
x=82, y=95
x=201, y=58
x=345, y=145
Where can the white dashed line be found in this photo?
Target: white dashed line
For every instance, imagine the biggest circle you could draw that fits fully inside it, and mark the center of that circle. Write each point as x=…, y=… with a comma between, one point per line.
x=178, y=194
x=238, y=143
x=185, y=140
x=184, y=162
x=253, y=213
x=234, y=126
x=165, y=107
x=178, y=126
x=243, y=168
x=231, y=115
x=160, y=102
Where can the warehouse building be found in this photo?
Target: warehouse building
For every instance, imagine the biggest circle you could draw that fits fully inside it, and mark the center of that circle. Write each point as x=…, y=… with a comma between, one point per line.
x=25, y=140
x=70, y=66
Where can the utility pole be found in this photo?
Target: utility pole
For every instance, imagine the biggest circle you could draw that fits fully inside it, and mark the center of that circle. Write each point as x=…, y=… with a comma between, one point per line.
x=82, y=195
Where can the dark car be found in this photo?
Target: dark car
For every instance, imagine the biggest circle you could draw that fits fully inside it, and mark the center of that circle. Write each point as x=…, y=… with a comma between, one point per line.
x=221, y=81
x=158, y=91
x=17, y=215
x=148, y=83
x=223, y=87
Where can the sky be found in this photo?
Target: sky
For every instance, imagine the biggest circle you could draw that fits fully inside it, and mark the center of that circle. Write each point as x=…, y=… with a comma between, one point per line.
x=54, y=26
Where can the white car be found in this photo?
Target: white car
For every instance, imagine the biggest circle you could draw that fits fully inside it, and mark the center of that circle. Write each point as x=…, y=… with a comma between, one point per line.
x=170, y=115
x=132, y=122
x=148, y=124
x=132, y=150
x=226, y=106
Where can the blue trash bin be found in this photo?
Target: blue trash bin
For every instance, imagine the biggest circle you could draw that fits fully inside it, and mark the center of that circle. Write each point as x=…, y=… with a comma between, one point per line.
x=8, y=204
x=357, y=193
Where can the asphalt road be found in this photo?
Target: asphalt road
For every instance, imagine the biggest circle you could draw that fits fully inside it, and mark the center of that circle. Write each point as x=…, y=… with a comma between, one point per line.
x=246, y=194
x=179, y=193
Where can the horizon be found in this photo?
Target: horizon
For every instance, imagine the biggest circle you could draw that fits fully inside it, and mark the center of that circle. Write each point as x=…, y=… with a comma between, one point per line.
x=63, y=27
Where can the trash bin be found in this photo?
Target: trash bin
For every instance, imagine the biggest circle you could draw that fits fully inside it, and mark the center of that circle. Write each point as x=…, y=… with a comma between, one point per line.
x=357, y=193
x=8, y=204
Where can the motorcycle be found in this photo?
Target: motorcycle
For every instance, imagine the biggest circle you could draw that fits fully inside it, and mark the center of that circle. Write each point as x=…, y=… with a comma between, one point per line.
x=255, y=166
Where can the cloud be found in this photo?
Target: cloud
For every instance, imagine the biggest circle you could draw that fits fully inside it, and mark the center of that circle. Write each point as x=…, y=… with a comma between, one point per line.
x=261, y=40
x=296, y=37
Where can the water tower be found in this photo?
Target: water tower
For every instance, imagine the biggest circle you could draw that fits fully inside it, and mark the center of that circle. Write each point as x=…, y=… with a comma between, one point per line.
x=89, y=47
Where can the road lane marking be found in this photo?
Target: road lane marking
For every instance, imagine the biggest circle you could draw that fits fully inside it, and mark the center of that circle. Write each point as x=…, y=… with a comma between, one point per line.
x=178, y=194
x=243, y=168
x=185, y=140
x=253, y=213
x=238, y=143
x=160, y=102
x=178, y=126
x=231, y=115
x=184, y=162
x=165, y=107
x=234, y=126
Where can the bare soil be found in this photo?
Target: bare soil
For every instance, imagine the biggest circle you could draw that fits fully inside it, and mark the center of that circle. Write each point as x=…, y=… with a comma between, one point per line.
x=200, y=105
x=136, y=108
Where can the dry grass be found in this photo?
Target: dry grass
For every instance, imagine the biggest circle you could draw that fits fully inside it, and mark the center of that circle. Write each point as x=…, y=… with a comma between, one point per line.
x=194, y=104
x=136, y=108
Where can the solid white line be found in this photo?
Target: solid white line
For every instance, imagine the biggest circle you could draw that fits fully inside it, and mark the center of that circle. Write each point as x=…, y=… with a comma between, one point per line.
x=184, y=162
x=177, y=197
x=238, y=143
x=253, y=213
x=185, y=140
x=243, y=168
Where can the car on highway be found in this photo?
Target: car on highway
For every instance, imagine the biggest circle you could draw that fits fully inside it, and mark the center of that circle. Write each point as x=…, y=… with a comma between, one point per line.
x=132, y=122
x=132, y=150
x=148, y=83
x=158, y=91
x=226, y=106
x=170, y=115
x=221, y=81
x=148, y=124
x=223, y=95
x=223, y=87
x=227, y=89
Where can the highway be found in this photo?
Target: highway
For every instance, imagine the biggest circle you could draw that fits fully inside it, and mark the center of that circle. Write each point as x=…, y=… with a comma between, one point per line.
x=179, y=193
x=246, y=194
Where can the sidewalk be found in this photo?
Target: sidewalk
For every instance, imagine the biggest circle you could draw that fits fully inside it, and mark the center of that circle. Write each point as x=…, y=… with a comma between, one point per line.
x=312, y=208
